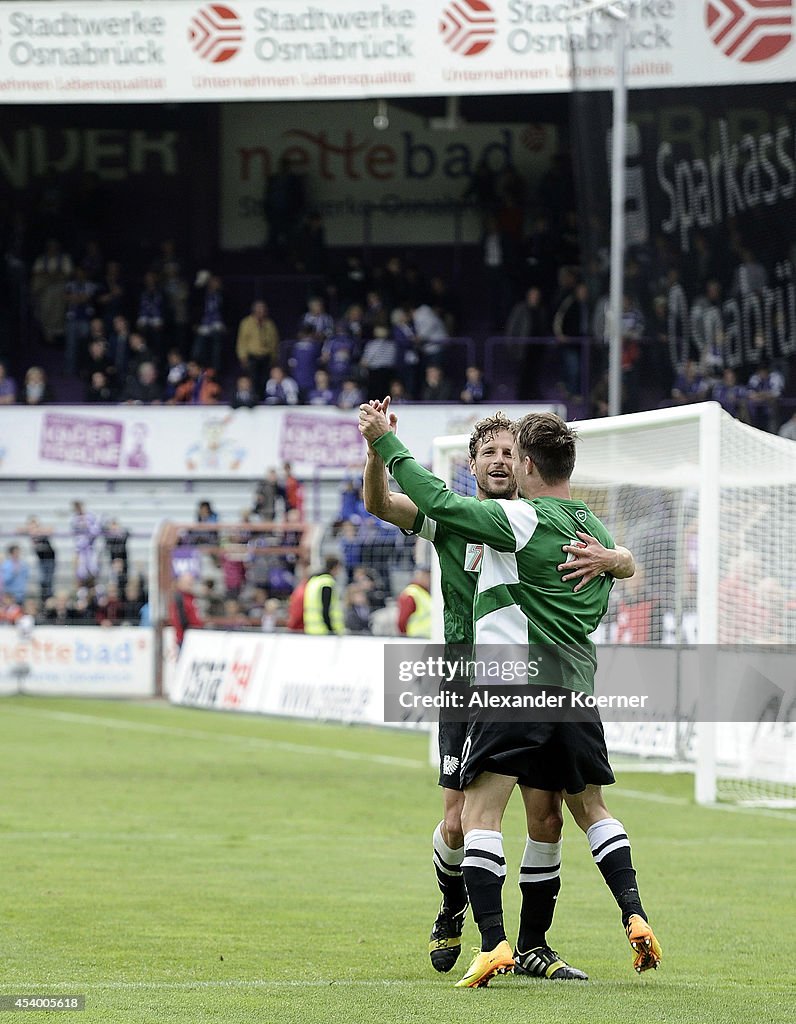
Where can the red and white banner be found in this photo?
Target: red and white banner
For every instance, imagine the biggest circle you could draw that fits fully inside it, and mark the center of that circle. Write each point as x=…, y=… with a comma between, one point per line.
x=187, y=50
x=339, y=679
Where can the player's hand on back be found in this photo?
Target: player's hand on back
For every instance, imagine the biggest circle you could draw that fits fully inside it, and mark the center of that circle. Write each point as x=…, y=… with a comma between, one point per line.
x=586, y=560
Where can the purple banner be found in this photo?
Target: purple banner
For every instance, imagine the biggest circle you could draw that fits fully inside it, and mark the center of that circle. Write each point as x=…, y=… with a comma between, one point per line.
x=324, y=442
x=81, y=440
x=186, y=559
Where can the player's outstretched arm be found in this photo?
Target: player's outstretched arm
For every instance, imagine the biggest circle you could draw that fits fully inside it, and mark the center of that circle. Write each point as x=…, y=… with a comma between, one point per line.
x=379, y=500
x=590, y=559
x=483, y=521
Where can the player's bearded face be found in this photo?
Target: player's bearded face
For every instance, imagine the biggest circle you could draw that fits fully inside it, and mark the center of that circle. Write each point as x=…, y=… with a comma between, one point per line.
x=493, y=467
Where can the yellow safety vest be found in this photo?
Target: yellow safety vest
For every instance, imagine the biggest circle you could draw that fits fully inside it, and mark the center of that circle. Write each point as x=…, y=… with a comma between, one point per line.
x=313, y=607
x=419, y=623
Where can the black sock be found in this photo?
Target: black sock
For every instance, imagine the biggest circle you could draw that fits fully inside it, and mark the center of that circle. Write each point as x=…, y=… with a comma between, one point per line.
x=610, y=848
x=448, y=869
x=484, y=871
x=540, y=882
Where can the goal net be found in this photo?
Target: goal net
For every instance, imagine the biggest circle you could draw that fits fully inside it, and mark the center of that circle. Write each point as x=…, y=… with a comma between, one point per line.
x=707, y=505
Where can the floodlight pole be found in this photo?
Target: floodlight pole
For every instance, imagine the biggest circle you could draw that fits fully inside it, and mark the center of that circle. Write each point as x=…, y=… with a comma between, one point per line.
x=618, y=149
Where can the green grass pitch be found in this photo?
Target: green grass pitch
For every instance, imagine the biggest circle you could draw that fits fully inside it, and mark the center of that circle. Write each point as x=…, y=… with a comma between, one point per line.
x=185, y=866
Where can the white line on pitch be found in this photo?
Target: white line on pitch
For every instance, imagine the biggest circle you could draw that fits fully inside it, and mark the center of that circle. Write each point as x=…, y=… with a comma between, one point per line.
x=198, y=734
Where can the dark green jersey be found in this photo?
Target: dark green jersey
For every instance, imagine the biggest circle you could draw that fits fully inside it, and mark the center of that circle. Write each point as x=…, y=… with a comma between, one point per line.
x=520, y=595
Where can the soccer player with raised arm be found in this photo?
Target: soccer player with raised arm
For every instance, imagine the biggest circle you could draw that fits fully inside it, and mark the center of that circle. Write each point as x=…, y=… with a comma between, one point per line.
x=490, y=463
x=521, y=598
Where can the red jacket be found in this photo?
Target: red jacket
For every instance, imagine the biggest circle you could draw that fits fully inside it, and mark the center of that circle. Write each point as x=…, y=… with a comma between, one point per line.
x=183, y=614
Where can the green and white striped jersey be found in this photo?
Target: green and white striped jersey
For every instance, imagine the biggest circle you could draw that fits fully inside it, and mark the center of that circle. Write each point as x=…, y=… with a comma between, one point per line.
x=459, y=564
x=520, y=596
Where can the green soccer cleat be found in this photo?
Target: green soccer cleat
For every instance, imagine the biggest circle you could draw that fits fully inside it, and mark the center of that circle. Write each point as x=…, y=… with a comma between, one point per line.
x=486, y=965
x=445, y=943
x=544, y=962
x=644, y=944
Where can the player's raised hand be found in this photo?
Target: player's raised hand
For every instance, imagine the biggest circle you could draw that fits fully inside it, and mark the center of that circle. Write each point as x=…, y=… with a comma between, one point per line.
x=586, y=560
x=373, y=424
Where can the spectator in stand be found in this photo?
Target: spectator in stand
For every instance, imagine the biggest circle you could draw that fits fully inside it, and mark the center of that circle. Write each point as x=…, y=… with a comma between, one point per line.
x=175, y=305
x=245, y=397
x=10, y=609
x=116, y=538
x=764, y=391
x=57, y=610
x=303, y=361
x=258, y=344
x=750, y=276
x=499, y=255
x=690, y=386
x=144, y=389
x=397, y=392
x=323, y=614
x=36, y=390
x=8, y=387
x=80, y=293
x=183, y=613
x=350, y=395
x=119, y=345
x=351, y=284
x=350, y=546
x=97, y=360
x=572, y=321
x=430, y=333
x=283, y=205
x=436, y=387
x=99, y=389
x=51, y=271
x=15, y=573
x=85, y=528
x=110, y=294
x=316, y=320
x=352, y=505
x=198, y=388
x=375, y=312
x=474, y=390
x=337, y=355
x=788, y=429
x=137, y=352
x=151, y=312
x=353, y=324
x=414, y=606
x=45, y=554
x=731, y=395
x=208, y=345
x=269, y=492
x=356, y=610
x=445, y=304
x=322, y=393
x=280, y=389
x=176, y=372
x=295, y=605
x=529, y=319
x=633, y=326
x=294, y=493
x=380, y=360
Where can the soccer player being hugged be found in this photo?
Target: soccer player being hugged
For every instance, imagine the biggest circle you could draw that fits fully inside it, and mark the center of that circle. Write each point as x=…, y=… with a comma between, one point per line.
x=490, y=451
x=525, y=538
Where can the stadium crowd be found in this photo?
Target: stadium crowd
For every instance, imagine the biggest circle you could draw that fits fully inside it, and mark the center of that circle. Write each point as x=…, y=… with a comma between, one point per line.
x=167, y=332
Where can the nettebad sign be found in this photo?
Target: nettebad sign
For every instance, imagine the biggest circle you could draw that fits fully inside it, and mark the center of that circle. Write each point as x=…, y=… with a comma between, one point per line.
x=77, y=661
x=288, y=49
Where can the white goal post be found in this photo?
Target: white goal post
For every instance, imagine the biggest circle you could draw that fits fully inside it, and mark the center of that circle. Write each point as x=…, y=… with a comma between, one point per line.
x=707, y=505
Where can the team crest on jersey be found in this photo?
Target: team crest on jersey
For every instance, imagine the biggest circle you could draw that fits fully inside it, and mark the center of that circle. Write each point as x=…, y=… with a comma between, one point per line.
x=473, y=557
x=450, y=765
x=581, y=514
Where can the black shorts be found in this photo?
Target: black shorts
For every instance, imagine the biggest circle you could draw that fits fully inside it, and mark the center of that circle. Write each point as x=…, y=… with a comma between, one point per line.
x=452, y=735
x=545, y=755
